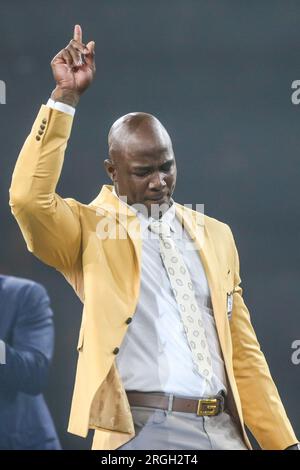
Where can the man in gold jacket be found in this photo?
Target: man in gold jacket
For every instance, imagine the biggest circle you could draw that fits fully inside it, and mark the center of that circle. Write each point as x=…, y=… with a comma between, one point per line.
x=105, y=272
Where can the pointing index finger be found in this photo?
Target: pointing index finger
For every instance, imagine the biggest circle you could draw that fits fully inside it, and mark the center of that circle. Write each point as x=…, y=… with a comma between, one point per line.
x=77, y=33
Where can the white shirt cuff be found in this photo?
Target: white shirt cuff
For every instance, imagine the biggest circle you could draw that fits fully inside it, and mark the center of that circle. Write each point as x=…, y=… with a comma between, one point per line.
x=2, y=352
x=64, y=108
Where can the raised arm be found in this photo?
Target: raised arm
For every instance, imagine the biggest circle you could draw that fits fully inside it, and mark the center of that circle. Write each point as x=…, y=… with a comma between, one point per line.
x=49, y=223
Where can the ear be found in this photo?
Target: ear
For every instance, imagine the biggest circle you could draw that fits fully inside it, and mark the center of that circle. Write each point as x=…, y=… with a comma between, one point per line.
x=110, y=169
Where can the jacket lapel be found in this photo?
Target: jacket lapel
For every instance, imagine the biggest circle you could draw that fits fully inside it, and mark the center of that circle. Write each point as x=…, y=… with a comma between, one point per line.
x=199, y=230
x=126, y=219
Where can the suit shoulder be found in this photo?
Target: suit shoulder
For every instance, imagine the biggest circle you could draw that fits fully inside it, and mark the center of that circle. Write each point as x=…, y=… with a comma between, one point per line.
x=220, y=229
x=211, y=222
x=21, y=285
x=217, y=224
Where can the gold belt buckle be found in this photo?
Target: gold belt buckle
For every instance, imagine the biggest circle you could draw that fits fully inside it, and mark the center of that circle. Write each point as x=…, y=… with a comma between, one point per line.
x=207, y=407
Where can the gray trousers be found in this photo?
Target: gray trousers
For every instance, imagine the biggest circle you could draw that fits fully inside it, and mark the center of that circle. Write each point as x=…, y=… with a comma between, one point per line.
x=158, y=429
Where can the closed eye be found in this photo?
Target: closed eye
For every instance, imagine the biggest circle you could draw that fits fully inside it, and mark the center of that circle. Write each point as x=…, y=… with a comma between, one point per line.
x=144, y=173
x=165, y=168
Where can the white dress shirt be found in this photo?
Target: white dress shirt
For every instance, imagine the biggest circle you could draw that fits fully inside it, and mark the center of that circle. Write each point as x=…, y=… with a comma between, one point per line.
x=155, y=355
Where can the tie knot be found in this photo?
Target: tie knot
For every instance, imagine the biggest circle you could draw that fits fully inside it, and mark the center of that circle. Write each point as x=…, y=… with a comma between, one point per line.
x=160, y=227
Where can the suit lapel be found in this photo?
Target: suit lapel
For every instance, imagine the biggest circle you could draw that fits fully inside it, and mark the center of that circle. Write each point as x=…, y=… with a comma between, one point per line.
x=109, y=203
x=199, y=230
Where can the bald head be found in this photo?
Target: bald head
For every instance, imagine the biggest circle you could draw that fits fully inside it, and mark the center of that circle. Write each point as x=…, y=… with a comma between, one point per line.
x=136, y=132
x=141, y=160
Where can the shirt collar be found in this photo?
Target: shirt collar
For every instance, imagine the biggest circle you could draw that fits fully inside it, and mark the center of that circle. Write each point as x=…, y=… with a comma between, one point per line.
x=168, y=217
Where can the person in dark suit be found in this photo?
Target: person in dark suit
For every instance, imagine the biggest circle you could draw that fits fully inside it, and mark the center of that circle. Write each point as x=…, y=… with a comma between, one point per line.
x=26, y=348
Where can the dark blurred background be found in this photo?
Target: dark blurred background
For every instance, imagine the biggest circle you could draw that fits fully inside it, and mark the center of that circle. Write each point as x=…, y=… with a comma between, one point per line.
x=218, y=75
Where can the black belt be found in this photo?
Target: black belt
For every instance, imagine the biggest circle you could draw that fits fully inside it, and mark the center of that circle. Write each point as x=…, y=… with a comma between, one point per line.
x=207, y=406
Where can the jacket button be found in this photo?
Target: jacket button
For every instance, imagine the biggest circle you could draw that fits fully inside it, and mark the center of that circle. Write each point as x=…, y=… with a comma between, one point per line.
x=38, y=137
x=129, y=320
x=44, y=121
x=41, y=132
x=42, y=126
x=116, y=350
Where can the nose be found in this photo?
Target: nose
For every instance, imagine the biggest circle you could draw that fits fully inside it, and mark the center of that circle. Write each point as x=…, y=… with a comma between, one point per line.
x=157, y=182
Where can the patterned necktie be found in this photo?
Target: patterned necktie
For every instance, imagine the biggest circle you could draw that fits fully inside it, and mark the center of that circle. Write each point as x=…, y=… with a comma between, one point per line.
x=183, y=290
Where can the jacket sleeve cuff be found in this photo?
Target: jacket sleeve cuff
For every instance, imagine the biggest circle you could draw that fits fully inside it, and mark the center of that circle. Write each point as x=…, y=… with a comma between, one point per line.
x=64, y=108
